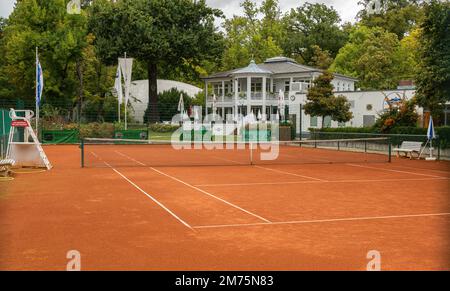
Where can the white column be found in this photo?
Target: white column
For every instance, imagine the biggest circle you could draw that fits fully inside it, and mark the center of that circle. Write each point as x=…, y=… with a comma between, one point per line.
x=249, y=94
x=236, y=95
x=264, y=96
x=223, y=99
x=206, y=96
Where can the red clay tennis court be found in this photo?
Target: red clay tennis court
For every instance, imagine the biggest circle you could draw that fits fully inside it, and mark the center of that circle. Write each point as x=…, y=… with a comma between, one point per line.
x=139, y=207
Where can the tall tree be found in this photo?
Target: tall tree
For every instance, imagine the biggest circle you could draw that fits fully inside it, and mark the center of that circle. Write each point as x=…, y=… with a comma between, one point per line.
x=320, y=59
x=156, y=32
x=372, y=55
x=251, y=36
x=396, y=16
x=61, y=39
x=309, y=25
x=433, y=77
x=322, y=102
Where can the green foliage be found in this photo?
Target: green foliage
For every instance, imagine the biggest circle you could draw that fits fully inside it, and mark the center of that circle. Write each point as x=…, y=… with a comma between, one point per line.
x=396, y=16
x=403, y=115
x=433, y=75
x=312, y=25
x=168, y=103
x=163, y=128
x=375, y=57
x=159, y=33
x=322, y=102
x=249, y=37
x=320, y=59
x=60, y=37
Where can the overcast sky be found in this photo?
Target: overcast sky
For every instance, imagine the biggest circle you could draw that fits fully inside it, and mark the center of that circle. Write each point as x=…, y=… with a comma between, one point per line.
x=347, y=8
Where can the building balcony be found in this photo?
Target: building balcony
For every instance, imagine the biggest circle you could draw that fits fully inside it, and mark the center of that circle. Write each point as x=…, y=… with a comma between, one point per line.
x=255, y=96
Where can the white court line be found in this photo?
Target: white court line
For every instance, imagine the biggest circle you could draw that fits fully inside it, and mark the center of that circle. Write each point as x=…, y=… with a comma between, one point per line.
x=149, y=196
x=289, y=173
x=211, y=195
x=318, y=182
x=228, y=160
x=321, y=220
x=396, y=171
x=203, y=191
x=95, y=155
x=432, y=170
x=130, y=158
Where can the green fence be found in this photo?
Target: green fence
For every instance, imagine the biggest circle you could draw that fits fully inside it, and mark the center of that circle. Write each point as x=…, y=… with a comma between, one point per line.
x=60, y=136
x=394, y=139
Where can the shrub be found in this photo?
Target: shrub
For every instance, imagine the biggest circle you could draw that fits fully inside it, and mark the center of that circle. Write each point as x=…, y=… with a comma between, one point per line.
x=163, y=128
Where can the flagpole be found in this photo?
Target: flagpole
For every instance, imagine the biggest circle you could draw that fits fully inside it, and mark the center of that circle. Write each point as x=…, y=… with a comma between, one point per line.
x=126, y=92
x=36, y=96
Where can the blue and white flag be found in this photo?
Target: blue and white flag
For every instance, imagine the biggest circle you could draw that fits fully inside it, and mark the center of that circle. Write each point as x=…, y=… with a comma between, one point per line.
x=39, y=81
x=430, y=133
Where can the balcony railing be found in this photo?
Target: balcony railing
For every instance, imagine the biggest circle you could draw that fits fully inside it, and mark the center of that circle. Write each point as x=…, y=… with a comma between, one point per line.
x=243, y=96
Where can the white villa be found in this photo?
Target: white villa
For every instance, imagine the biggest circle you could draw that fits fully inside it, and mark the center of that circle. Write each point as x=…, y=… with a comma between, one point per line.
x=256, y=87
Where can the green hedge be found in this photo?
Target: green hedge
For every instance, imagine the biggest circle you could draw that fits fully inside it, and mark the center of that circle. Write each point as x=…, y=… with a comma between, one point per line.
x=163, y=128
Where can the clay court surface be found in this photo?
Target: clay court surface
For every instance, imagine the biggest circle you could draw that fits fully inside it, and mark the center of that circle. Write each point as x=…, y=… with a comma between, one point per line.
x=233, y=217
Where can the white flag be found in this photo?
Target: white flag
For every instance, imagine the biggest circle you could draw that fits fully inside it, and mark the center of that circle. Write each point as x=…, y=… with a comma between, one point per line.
x=126, y=65
x=118, y=85
x=74, y=7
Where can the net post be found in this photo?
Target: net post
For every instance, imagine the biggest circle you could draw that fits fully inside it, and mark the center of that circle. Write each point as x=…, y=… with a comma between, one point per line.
x=251, y=153
x=82, y=152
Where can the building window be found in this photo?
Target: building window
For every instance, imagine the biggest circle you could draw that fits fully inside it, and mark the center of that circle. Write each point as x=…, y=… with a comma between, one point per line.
x=313, y=121
x=256, y=87
x=287, y=86
x=368, y=120
x=338, y=86
x=218, y=89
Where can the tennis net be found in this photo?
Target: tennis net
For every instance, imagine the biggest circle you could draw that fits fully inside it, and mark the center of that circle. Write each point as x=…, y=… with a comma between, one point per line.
x=101, y=152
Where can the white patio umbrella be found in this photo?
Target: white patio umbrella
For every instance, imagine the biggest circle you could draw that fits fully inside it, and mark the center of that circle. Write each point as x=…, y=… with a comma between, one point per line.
x=181, y=104
x=214, y=106
x=196, y=117
x=281, y=103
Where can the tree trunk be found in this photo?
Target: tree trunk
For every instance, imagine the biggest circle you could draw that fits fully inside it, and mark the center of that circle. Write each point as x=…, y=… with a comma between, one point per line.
x=323, y=121
x=152, y=108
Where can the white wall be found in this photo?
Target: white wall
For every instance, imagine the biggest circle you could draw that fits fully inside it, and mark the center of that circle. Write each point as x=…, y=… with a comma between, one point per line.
x=360, y=99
